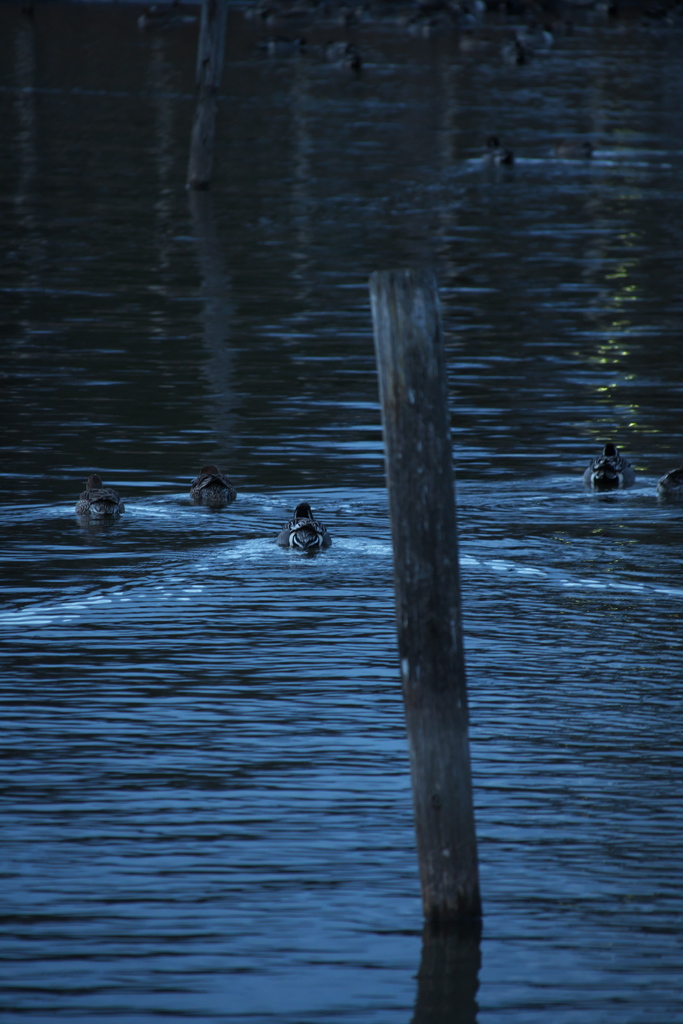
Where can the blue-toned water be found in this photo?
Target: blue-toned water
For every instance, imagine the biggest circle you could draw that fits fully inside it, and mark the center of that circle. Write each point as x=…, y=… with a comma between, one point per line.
x=206, y=793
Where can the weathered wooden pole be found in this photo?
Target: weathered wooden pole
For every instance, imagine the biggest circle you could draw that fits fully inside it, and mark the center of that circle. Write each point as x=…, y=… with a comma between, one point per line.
x=417, y=440
x=210, y=54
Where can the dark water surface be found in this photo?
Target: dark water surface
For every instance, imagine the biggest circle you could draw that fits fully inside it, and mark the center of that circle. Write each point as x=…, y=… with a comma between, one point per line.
x=206, y=801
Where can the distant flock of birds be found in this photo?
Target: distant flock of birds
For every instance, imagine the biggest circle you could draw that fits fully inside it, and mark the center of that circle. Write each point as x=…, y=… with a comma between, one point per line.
x=607, y=472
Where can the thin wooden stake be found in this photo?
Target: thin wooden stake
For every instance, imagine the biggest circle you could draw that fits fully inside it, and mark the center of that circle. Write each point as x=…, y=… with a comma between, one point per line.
x=413, y=393
x=210, y=55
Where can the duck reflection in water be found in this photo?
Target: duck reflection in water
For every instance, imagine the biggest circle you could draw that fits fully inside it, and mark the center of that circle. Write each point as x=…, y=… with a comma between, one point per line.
x=609, y=471
x=212, y=488
x=98, y=500
x=670, y=486
x=304, y=532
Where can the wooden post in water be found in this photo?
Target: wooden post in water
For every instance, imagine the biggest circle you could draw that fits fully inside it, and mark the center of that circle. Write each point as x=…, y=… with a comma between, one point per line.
x=210, y=54
x=417, y=440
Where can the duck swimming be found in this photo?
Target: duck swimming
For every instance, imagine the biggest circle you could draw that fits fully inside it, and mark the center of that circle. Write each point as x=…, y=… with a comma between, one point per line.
x=515, y=52
x=343, y=55
x=212, y=488
x=671, y=484
x=304, y=532
x=497, y=155
x=163, y=15
x=609, y=471
x=98, y=500
x=279, y=46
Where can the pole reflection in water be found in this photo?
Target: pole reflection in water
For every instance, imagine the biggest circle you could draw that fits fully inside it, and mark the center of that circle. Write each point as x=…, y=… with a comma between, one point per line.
x=216, y=316
x=448, y=977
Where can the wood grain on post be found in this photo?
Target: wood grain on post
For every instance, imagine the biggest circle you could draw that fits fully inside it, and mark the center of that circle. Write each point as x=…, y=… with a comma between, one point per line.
x=210, y=55
x=417, y=439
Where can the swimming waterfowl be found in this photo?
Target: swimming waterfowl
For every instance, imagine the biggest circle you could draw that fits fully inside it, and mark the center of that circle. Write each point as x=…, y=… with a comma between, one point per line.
x=343, y=55
x=497, y=155
x=609, y=471
x=211, y=487
x=98, y=500
x=535, y=36
x=279, y=46
x=164, y=15
x=304, y=531
x=671, y=484
x=515, y=52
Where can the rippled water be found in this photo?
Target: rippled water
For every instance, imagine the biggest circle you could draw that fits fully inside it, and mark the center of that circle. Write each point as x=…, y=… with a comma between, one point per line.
x=206, y=795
